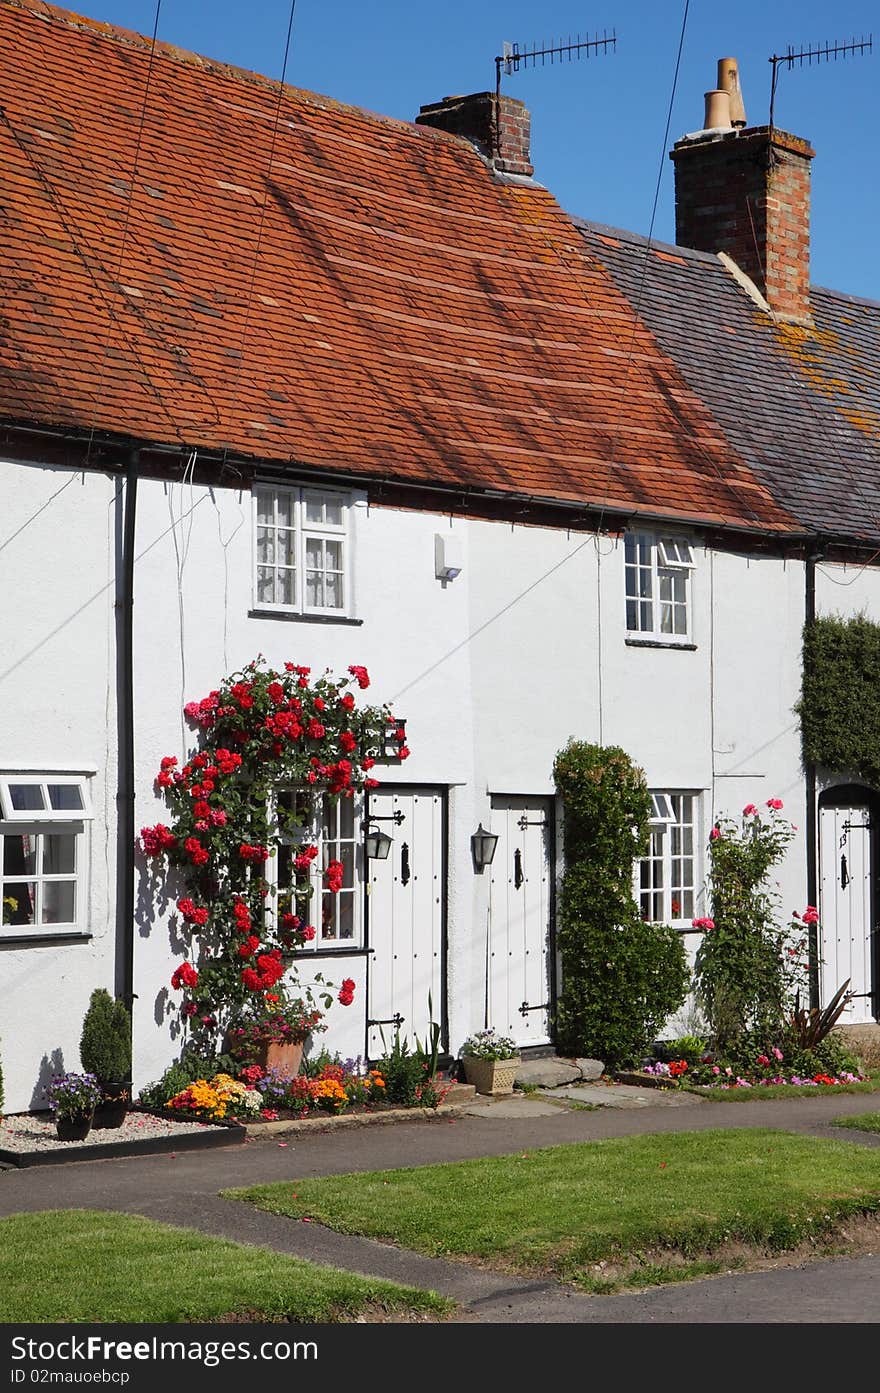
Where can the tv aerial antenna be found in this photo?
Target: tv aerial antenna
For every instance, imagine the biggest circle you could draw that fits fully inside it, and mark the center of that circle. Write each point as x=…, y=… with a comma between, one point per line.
x=822, y=53
x=512, y=57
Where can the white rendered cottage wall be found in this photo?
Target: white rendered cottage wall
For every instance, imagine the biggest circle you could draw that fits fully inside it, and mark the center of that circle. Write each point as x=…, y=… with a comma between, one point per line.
x=714, y=718
x=411, y=640
x=494, y=671
x=58, y=705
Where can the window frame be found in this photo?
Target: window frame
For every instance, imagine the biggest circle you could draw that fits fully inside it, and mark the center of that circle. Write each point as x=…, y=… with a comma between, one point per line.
x=46, y=814
x=312, y=833
x=304, y=531
x=661, y=852
x=671, y=559
x=39, y=824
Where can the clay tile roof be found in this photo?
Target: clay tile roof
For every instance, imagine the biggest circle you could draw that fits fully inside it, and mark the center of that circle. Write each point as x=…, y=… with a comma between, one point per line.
x=376, y=302
x=800, y=406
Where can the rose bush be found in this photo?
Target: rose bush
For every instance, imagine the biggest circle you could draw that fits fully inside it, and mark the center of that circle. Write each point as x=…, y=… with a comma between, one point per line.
x=748, y=967
x=263, y=733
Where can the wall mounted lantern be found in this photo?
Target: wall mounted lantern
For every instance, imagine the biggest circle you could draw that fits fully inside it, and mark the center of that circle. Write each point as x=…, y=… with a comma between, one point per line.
x=377, y=844
x=483, y=846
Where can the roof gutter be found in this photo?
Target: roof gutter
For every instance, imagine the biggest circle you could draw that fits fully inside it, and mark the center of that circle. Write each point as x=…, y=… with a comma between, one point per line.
x=260, y=467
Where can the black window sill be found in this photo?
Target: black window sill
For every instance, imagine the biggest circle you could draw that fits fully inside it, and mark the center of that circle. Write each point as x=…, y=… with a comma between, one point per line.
x=291, y=618
x=658, y=643
x=71, y=936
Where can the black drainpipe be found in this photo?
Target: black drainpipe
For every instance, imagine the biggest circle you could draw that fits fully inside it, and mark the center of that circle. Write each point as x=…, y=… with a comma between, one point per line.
x=812, y=812
x=125, y=730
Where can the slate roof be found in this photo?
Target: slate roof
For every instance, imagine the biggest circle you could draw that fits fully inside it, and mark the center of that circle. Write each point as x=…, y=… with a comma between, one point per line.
x=800, y=406
x=373, y=300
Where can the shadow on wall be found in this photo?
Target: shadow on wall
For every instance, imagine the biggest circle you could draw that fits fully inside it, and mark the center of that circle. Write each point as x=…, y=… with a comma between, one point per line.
x=50, y=1065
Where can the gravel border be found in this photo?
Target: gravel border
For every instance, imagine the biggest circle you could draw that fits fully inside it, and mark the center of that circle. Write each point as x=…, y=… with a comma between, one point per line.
x=29, y=1139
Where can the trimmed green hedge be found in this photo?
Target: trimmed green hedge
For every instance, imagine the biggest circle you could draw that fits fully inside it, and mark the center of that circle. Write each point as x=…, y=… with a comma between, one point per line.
x=839, y=707
x=621, y=977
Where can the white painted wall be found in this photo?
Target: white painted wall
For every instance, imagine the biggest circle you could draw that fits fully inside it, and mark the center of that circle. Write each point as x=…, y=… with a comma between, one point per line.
x=57, y=712
x=494, y=672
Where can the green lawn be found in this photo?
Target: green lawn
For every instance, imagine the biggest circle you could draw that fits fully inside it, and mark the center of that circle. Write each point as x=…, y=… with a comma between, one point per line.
x=627, y=1211
x=862, y=1121
x=85, y=1265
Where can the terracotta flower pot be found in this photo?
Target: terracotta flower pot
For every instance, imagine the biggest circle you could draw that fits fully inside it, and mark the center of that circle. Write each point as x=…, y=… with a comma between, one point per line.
x=284, y=1059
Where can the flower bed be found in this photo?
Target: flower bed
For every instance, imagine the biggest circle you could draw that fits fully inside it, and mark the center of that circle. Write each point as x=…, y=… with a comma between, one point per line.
x=706, y=1074
x=268, y=1095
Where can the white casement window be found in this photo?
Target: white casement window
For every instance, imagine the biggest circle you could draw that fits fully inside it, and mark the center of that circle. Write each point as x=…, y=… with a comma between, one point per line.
x=667, y=878
x=658, y=586
x=335, y=828
x=302, y=559
x=42, y=853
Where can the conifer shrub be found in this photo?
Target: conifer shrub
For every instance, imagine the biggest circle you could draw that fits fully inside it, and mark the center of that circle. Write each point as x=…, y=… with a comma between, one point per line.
x=105, y=1045
x=621, y=977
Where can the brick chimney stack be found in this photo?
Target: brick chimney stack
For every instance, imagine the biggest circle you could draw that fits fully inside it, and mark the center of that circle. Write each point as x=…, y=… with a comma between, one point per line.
x=746, y=192
x=499, y=126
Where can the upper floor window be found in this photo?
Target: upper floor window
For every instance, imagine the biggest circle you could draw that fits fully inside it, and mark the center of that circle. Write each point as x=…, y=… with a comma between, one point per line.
x=667, y=876
x=334, y=828
x=42, y=852
x=658, y=584
x=302, y=561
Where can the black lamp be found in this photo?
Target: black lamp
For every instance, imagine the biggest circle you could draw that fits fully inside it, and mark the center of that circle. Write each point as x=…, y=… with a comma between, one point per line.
x=483, y=846
x=377, y=844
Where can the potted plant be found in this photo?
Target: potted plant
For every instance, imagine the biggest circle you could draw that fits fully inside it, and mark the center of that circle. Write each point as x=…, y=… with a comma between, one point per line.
x=105, y=1051
x=490, y=1061
x=273, y=1032
x=72, y=1100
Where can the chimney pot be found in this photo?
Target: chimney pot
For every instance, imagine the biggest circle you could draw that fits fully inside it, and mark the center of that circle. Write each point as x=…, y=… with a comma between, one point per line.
x=717, y=111
x=728, y=80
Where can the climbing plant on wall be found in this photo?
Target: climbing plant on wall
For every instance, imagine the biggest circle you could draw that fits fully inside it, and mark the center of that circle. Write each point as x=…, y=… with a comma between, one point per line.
x=621, y=977
x=263, y=733
x=839, y=707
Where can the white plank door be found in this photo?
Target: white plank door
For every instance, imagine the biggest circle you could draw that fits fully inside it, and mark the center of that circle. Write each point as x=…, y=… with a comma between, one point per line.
x=405, y=917
x=846, y=909
x=520, y=906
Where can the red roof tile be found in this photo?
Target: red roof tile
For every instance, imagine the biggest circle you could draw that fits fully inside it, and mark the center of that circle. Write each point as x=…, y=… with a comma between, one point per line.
x=377, y=301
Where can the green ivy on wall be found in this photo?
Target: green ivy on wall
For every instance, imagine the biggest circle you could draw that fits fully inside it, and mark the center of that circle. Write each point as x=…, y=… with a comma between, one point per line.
x=621, y=977
x=839, y=707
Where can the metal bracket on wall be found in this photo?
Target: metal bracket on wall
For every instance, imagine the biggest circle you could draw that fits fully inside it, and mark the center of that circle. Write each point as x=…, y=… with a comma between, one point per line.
x=526, y=1008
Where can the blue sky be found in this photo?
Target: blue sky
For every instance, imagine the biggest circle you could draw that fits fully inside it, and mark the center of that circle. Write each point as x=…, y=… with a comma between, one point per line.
x=597, y=125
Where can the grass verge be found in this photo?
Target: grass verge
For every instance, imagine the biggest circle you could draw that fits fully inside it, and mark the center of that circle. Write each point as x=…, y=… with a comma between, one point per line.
x=862, y=1121
x=628, y=1211
x=85, y=1265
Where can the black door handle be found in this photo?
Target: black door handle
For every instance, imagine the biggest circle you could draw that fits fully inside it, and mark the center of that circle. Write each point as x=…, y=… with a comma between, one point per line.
x=518, y=876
